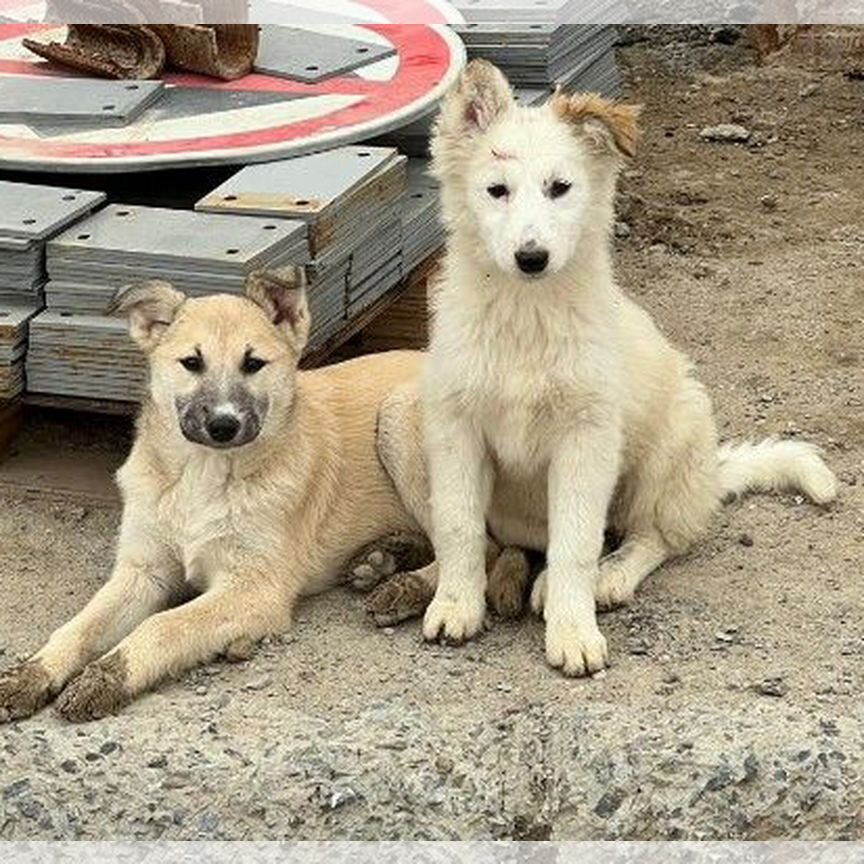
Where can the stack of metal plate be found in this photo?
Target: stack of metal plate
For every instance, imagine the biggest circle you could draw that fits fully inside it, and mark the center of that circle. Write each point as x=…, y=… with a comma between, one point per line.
x=544, y=54
x=198, y=253
x=534, y=11
x=29, y=216
x=351, y=200
x=422, y=227
x=14, y=320
x=84, y=355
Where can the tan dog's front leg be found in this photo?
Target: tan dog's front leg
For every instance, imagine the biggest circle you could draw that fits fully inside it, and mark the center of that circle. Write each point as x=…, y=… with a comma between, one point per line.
x=170, y=643
x=135, y=590
x=582, y=477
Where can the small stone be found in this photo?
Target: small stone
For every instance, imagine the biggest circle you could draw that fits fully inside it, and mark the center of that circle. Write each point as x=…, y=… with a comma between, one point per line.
x=109, y=747
x=777, y=688
x=505, y=688
x=726, y=133
x=724, y=637
x=726, y=35
x=672, y=678
x=808, y=90
x=769, y=202
x=637, y=648
x=259, y=683
x=622, y=230
x=746, y=540
x=444, y=765
x=342, y=797
x=376, y=559
x=602, y=675
x=179, y=780
x=70, y=766
x=201, y=691
x=158, y=762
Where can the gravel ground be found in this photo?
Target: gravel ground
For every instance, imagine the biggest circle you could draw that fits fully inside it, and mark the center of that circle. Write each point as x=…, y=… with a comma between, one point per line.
x=732, y=709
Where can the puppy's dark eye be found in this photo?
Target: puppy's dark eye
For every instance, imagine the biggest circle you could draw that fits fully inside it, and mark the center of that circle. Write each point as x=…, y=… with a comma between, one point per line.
x=498, y=190
x=193, y=363
x=559, y=189
x=252, y=365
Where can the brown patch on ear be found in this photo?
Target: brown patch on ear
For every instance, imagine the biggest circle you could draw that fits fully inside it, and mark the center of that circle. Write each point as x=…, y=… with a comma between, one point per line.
x=150, y=307
x=616, y=124
x=282, y=295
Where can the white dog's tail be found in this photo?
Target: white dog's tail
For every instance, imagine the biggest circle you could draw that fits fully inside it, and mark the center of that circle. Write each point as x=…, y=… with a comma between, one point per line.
x=776, y=465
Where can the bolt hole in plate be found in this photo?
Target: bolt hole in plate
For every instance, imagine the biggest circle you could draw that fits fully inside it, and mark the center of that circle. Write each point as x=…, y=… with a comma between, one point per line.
x=262, y=117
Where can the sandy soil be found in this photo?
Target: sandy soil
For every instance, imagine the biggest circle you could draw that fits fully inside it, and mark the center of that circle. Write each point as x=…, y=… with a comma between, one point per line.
x=733, y=705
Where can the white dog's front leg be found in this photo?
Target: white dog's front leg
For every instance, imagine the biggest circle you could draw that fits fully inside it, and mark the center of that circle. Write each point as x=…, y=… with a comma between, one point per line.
x=460, y=488
x=582, y=477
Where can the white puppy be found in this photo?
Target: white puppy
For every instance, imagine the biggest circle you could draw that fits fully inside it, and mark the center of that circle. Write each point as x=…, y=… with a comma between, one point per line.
x=551, y=404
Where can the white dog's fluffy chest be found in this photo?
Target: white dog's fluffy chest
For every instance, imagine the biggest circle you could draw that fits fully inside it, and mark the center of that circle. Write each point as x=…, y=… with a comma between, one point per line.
x=524, y=380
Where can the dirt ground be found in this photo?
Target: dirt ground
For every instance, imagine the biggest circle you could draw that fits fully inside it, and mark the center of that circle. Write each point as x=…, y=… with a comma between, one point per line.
x=733, y=706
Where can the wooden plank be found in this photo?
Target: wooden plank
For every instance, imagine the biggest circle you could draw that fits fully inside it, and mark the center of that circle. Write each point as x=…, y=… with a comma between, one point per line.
x=405, y=325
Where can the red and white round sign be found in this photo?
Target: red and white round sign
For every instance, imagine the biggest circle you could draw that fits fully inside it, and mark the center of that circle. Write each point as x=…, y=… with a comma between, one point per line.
x=203, y=121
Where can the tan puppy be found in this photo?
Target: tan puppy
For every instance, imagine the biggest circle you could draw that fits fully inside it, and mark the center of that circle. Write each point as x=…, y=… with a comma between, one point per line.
x=249, y=483
x=551, y=405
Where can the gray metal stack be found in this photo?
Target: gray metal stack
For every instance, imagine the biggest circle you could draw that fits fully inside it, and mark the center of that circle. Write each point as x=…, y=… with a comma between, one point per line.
x=351, y=200
x=29, y=216
x=543, y=53
x=88, y=356
x=14, y=321
x=75, y=350
x=422, y=228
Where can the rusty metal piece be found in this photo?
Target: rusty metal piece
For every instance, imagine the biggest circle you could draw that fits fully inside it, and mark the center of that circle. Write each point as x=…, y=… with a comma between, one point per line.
x=224, y=51
x=120, y=51
x=818, y=47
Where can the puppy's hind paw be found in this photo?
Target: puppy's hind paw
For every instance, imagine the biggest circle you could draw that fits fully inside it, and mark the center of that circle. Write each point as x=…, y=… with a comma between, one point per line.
x=538, y=596
x=382, y=559
x=405, y=596
x=508, y=578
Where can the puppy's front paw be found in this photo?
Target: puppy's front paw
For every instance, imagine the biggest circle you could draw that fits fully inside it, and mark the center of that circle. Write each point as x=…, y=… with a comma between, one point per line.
x=24, y=690
x=406, y=595
x=538, y=595
x=614, y=587
x=100, y=690
x=576, y=650
x=454, y=618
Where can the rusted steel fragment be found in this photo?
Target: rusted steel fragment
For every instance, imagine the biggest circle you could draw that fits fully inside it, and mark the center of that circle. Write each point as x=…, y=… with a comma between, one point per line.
x=224, y=51
x=817, y=47
x=108, y=50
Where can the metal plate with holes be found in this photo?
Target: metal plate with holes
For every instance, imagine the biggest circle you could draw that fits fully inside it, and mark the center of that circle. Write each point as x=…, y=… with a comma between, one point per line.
x=25, y=98
x=177, y=239
x=310, y=57
x=305, y=187
x=559, y=11
x=31, y=212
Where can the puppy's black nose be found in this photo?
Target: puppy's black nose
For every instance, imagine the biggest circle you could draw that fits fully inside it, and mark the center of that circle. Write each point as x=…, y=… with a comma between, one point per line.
x=532, y=260
x=223, y=428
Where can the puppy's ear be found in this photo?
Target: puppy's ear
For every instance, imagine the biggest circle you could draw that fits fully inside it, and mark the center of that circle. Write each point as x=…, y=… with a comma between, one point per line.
x=479, y=98
x=150, y=308
x=608, y=126
x=282, y=295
